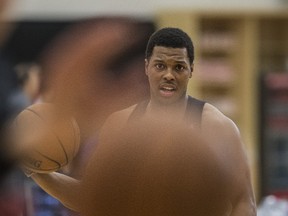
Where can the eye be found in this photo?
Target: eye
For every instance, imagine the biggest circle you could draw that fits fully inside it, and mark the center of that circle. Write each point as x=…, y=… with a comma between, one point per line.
x=180, y=67
x=159, y=66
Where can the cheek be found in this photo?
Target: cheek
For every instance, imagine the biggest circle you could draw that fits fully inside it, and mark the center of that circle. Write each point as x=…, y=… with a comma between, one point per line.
x=184, y=81
x=152, y=76
x=152, y=80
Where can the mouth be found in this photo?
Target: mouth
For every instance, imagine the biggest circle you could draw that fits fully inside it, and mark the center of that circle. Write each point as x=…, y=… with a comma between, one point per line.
x=167, y=90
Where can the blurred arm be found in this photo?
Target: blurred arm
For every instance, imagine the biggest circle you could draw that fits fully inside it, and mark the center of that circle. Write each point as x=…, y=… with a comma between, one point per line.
x=62, y=187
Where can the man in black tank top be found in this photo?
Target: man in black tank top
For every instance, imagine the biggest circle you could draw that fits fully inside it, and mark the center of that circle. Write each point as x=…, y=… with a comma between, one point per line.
x=193, y=112
x=148, y=162
x=157, y=149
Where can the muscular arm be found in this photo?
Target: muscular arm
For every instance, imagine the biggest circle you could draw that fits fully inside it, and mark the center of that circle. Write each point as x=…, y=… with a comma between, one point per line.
x=62, y=187
x=225, y=138
x=243, y=200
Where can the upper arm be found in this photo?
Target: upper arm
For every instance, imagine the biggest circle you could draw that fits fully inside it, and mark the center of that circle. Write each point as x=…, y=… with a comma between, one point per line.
x=225, y=137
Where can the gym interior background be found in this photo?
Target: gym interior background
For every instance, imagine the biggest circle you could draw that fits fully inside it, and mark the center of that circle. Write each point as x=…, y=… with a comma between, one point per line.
x=241, y=61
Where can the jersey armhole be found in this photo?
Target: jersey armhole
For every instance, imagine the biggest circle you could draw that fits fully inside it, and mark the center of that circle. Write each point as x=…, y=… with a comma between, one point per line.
x=194, y=111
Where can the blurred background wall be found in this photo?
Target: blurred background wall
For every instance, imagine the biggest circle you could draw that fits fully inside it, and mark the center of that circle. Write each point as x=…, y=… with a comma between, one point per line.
x=57, y=9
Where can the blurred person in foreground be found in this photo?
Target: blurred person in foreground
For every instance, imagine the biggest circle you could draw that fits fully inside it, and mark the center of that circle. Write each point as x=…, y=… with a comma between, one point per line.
x=12, y=100
x=92, y=69
x=81, y=70
x=11, y=178
x=170, y=155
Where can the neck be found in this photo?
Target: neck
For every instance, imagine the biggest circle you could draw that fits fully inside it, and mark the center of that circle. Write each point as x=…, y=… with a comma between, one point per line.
x=177, y=109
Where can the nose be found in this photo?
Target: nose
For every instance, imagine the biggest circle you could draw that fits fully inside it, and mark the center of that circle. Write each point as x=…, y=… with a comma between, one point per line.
x=169, y=75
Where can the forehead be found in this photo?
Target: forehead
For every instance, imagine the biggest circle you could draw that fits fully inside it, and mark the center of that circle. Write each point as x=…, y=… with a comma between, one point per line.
x=169, y=53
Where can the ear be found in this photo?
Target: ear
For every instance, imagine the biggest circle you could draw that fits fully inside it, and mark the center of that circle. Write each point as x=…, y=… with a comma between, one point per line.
x=146, y=66
x=192, y=68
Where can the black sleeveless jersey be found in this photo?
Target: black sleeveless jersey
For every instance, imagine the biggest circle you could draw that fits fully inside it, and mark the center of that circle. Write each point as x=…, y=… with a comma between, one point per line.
x=193, y=113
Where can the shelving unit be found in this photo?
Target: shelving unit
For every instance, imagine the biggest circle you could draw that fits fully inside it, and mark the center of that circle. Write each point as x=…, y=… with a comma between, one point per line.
x=274, y=137
x=273, y=44
x=273, y=57
x=232, y=49
x=217, y=53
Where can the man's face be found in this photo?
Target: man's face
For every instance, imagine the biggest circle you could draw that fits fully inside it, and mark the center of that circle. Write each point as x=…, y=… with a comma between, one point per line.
x=168, y=71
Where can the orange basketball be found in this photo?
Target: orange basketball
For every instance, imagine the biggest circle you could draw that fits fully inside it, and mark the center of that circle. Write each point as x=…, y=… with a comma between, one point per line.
x=46, y=139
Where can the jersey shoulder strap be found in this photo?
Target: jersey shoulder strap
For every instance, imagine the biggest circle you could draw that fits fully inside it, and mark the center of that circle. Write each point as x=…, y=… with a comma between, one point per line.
x=139, y=110
x=194, y=111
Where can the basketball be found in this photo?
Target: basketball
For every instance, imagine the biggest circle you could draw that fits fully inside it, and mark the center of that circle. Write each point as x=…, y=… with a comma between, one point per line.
x=46, y=139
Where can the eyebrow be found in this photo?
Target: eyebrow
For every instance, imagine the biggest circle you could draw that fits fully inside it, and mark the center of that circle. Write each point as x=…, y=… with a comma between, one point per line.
x=177, y=61
x=181, y=62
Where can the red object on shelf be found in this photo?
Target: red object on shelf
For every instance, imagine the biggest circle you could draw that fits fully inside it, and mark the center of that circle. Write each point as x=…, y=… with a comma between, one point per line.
x=277, y=80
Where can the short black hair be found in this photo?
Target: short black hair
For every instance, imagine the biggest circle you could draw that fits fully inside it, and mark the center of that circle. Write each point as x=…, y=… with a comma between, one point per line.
x=170, y=37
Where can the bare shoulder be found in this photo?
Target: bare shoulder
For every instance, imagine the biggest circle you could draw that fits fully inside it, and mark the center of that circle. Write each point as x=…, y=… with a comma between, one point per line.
x=224, y=137
x=223, y=134
x=213, y=120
